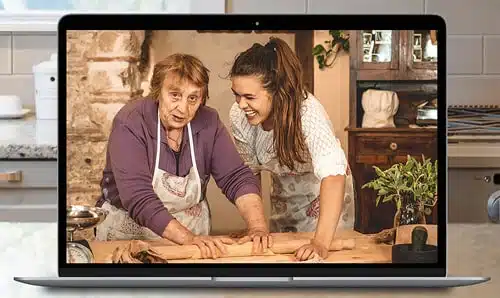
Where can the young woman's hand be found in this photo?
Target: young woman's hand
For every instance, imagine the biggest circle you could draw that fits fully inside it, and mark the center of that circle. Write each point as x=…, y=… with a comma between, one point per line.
x=308, y=251
x=211, y=247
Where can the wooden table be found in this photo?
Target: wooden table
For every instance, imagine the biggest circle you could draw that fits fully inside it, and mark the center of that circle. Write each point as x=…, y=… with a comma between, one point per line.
x=366, y=250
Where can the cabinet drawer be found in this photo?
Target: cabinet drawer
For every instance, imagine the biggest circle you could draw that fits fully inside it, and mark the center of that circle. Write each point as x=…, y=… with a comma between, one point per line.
x=402, y=146
x=28, y=174
x=29, y=196
x=32, y=213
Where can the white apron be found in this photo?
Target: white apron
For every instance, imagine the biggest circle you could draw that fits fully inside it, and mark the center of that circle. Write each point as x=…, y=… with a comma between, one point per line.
x=181, y=196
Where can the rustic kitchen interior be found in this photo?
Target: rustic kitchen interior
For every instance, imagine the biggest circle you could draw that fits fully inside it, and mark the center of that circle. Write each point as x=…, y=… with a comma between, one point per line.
x=379, y=88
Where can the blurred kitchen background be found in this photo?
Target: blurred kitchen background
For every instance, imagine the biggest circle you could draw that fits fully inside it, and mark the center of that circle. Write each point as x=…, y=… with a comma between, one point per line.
x=399, y=63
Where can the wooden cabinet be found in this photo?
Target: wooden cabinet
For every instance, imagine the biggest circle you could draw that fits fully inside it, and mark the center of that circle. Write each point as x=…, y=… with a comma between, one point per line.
x=28, y=190
x=394, y=54
x=383, y=148
x=405, y=62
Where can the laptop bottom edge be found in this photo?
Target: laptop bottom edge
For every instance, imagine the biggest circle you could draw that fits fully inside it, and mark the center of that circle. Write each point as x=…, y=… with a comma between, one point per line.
x=230, y=282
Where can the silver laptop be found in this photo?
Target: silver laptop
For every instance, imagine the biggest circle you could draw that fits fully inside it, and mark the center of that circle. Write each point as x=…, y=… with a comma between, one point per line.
x=379, y=59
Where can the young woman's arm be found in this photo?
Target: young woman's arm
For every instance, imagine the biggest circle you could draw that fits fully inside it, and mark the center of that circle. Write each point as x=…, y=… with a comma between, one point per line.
x=330, y=208
x=330, y=165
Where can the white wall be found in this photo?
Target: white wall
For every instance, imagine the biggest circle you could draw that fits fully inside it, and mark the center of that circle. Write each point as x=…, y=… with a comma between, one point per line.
x=18, y=53
x=473, y=43
x=473, y=46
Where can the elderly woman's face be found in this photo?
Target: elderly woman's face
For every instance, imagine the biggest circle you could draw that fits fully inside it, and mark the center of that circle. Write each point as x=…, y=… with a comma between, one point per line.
x=179, y=101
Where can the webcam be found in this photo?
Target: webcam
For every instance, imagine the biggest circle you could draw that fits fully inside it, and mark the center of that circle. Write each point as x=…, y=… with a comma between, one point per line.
x=257, y=23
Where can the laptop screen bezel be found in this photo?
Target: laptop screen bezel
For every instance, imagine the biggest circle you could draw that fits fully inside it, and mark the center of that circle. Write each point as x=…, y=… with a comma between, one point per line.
x=139, y=21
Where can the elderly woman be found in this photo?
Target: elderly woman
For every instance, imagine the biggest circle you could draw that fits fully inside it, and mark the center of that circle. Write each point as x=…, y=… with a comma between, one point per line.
x=161, y=154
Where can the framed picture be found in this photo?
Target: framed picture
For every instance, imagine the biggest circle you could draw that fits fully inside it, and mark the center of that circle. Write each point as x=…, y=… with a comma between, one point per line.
x=417, y=41
x=367, y=39
x=367, y=54
x=417, y=55
x=383, y=36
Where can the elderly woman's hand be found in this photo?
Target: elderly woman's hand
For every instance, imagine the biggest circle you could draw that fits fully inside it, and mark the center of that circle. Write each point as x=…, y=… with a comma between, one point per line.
x=211, y=246
x=261, y=239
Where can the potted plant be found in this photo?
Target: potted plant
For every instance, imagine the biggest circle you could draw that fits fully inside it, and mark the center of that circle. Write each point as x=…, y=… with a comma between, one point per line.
x=327, y=53
x=411, y=185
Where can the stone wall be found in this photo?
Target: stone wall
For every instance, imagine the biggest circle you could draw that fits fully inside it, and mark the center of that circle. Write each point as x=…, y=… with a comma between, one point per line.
x=102, y=76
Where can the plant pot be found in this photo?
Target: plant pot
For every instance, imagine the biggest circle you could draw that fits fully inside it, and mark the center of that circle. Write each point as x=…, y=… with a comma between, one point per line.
x=409, y=216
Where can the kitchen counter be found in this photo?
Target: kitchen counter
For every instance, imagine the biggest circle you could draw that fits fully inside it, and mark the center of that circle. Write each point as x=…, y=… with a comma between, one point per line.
x=29, y=249
x=365, y=250
x=28, y=138
x=482, y=152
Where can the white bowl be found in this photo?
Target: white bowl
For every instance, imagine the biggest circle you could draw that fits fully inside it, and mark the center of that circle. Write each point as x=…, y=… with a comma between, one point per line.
x=10, y=105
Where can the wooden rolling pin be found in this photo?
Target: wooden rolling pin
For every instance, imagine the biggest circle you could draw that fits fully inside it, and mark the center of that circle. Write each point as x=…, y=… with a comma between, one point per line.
x=245, y=250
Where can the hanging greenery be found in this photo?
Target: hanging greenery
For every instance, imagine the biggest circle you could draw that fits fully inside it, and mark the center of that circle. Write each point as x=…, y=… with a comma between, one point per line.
x=327, y=53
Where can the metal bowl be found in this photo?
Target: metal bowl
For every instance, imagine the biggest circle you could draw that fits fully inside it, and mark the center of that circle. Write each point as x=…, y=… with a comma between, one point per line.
x=84, y=217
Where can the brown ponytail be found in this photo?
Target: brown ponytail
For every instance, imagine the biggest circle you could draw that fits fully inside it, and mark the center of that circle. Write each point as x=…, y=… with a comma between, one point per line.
x=281, y=75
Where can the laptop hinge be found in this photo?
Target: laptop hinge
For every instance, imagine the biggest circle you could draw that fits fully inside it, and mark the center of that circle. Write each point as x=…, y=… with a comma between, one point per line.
x=253, y=279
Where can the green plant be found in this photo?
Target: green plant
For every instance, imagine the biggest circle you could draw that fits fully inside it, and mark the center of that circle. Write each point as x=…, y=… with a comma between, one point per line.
x=413, y=182
x=324, y=53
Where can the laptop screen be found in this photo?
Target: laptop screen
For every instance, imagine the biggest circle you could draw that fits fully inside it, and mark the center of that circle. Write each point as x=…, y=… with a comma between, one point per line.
x=204, y=145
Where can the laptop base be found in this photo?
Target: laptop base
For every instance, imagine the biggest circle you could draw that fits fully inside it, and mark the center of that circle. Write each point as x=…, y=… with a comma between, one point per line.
x=249, y=282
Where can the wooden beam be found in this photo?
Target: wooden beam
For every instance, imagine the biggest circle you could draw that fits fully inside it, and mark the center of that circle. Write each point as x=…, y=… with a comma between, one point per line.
x=304, y=43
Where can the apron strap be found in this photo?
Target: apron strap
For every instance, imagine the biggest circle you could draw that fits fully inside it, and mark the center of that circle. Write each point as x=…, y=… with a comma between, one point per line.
x=158, y=140
x=191, y=147
x=193, y=159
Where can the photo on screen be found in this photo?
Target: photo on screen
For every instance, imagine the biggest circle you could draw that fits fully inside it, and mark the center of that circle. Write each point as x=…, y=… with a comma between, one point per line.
x=188, y=146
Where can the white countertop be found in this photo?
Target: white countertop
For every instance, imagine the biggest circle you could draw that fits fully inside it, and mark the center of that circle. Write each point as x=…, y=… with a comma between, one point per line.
x=28, y=138
x=29, y=249
x=477, y=154
x=474, y=149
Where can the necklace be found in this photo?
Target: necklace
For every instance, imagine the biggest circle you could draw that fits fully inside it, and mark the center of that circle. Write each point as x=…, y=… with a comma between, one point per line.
x=176, y=142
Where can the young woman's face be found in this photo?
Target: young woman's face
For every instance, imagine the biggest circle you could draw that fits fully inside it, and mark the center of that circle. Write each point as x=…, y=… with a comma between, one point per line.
x=252, y=98
x=179, y=101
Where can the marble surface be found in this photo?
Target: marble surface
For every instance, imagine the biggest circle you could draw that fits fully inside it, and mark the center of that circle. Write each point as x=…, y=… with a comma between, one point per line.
x=28, y=138
x=29, y=249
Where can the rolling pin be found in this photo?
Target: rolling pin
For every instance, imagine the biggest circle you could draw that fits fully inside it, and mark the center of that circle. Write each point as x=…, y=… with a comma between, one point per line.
x=245, y=249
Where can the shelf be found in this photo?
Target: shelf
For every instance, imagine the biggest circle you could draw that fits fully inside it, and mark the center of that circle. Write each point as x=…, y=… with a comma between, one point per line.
x=30, y=21
x=47, y=20
x=390, y=129
x=42, y=20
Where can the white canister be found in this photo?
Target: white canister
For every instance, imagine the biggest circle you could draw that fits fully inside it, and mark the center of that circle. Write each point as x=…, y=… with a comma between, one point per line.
x=45, y=75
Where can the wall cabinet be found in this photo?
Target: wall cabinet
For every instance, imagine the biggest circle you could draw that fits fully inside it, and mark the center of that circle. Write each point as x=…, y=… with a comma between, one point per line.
x=404, y=62
x=394, y=54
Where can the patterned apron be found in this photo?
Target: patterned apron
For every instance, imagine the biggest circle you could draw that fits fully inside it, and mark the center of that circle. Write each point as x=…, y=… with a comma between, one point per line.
x=181, y=196
x=295, y=203
x=295, y=195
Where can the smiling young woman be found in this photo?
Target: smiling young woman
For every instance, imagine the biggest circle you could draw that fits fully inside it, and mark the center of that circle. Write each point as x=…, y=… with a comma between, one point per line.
x=280, y=127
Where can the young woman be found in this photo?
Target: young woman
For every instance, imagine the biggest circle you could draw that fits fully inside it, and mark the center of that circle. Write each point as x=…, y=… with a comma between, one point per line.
x=280, y=127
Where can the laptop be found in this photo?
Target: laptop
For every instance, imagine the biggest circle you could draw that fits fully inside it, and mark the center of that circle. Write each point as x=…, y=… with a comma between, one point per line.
x=390, y=56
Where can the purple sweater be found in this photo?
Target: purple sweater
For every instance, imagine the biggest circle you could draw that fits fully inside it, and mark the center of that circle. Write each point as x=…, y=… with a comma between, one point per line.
x=130, y=159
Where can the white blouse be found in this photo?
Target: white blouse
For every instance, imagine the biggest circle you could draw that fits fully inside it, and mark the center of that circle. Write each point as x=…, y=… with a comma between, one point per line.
x=326, y=156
